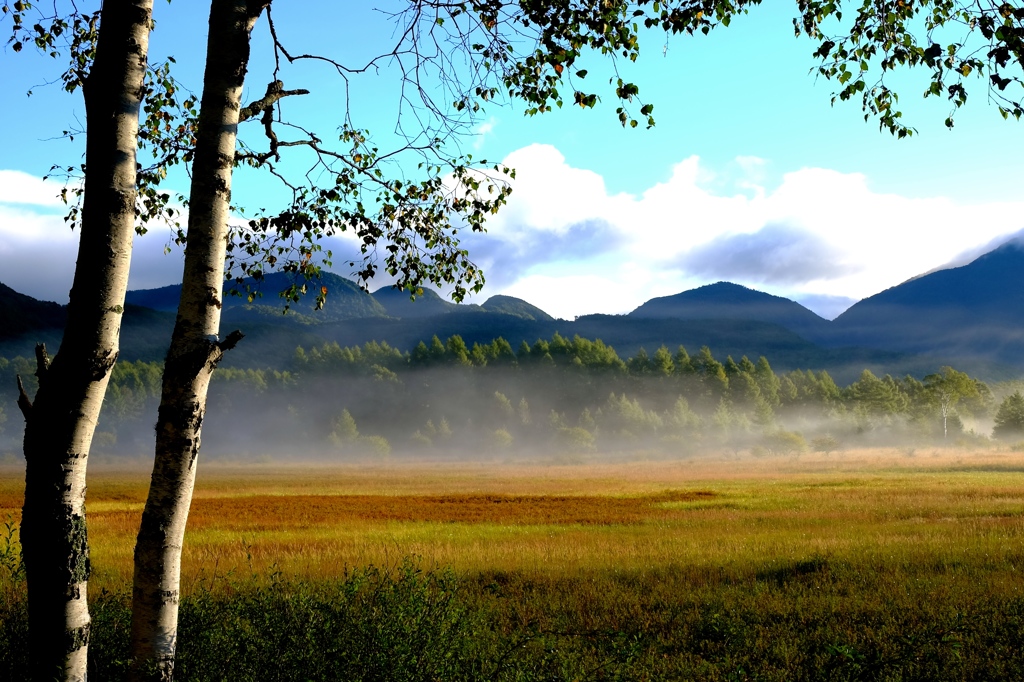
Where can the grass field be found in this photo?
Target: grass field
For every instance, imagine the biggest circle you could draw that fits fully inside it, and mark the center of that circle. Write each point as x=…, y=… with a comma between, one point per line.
x=862, y=565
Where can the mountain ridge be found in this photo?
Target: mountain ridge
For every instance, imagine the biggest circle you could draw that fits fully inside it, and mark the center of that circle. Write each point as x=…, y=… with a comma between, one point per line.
x=972, y=314
x=974, y=310
x=728, y=301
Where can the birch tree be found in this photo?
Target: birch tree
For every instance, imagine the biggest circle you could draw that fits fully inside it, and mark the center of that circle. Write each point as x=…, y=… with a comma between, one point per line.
x=195, y=349
x=61, y=418
x=945, y=389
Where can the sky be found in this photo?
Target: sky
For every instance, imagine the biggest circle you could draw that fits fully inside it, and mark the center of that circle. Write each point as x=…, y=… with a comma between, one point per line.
x=749, y=176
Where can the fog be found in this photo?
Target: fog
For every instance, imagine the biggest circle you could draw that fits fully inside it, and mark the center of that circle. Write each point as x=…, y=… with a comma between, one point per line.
x=559, y=401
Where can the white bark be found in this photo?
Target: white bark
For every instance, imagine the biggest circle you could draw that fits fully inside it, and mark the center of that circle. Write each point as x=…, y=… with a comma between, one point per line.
x=61, y=420
x=194, y=353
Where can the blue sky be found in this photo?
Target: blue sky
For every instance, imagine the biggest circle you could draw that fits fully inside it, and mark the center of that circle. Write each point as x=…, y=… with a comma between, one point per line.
x=749, y=176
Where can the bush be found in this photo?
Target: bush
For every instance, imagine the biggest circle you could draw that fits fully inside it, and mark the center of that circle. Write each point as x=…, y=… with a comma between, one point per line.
x=825, y=444
x=418, y=440
x=376, y=446
x=376, y=624
x=785, y=443
x=501, y=439
x=575, y=439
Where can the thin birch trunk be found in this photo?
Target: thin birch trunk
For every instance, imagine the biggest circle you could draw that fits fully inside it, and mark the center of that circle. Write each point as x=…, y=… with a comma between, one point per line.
x=61, y=420
x=195, y=350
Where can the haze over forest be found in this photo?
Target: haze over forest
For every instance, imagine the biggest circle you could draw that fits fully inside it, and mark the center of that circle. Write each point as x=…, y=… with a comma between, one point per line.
x=718, y=368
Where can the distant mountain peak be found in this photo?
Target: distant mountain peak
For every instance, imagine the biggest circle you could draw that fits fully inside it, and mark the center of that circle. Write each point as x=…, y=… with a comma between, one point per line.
x=1002, y=244
x=1013, y=248
x=730, y=301
x=345, y=299
x=971, y=311
x=399, y=303
x=20, y=313
x=510, y=305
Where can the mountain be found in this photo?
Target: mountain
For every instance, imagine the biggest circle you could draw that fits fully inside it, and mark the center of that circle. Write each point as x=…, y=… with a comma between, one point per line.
x=517, y=307
x=430, y=304
x=20, y=314
x=397, y=303
x=145, y=333
x=625, y=334
x=727, y=301
x=25, y=321
x=974, y=311
x=971, y=317
x=785, y=349
x=164, y=298
x=345, y=300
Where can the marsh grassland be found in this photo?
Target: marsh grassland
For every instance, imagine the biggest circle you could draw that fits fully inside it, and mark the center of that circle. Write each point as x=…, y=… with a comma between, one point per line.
x=863, y=565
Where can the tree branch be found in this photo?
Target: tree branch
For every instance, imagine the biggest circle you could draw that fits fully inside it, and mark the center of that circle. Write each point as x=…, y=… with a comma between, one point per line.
x=231, y=341
x=42, y=360
x=24, y=402
x=275, y=91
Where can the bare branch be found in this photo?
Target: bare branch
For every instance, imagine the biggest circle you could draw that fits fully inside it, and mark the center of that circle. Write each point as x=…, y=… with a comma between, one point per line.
x=42, y=361
x=275, y=91
x=231, y=341
x=24, y=402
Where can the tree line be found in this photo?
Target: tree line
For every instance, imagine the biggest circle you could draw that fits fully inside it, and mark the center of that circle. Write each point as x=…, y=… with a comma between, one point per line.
x=556, y=397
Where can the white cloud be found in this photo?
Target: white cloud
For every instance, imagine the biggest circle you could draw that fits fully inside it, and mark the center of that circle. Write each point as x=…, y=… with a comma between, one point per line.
x=551, y=196
x=820, y=235
x=482, y=131
x=38, y=252
x=570, y=246
x=17, y=187
x=571, y=295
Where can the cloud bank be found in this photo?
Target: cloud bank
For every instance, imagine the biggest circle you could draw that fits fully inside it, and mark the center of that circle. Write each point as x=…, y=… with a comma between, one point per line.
x=569, y=245
x=774, y=255
x=826, y=238
x=38, y=250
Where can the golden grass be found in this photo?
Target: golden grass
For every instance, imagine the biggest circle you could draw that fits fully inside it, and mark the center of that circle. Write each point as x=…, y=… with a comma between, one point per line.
x=868, y=508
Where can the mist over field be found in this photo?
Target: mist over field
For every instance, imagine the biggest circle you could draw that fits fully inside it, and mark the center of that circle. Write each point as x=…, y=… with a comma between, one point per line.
x=498, y=382
x=555, y=401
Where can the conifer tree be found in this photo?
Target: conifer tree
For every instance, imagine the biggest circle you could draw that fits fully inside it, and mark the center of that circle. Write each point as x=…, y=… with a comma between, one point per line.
x=1009, y=419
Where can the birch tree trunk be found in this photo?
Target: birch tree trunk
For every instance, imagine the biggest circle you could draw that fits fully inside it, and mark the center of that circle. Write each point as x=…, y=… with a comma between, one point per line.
x=60, y=421
x=195, y=349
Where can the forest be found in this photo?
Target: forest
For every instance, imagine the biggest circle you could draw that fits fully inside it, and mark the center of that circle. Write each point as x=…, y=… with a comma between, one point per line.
x=559, y=399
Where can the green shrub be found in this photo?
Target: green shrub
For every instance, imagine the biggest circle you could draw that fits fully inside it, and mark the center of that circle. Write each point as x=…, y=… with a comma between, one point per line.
x=784, y=618
x=574, y=439
x=826, y=444
x=501, y=439
x=785, y=443
x=375, y=446
x=1009, y=420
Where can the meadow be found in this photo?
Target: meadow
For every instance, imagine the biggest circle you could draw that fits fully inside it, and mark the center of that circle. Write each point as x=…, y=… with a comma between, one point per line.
x=873, y=564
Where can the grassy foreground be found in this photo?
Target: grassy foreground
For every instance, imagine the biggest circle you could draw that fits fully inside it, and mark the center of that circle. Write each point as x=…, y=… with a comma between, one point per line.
x=863, y=566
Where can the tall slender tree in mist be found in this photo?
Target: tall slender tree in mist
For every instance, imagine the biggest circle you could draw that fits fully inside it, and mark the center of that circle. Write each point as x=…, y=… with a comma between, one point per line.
x=947, y=388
